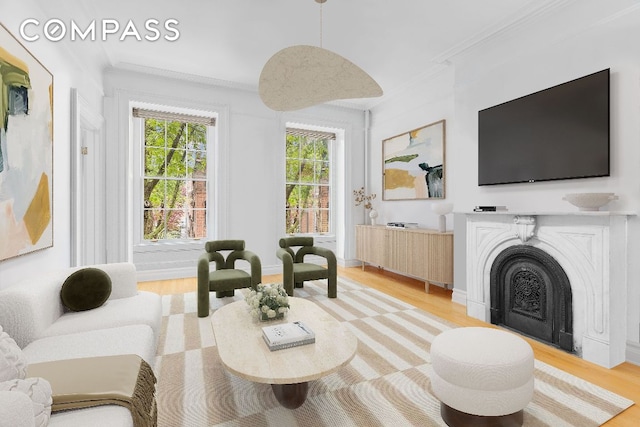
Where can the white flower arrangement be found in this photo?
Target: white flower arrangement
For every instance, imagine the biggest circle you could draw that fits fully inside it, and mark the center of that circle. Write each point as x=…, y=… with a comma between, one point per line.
x=268, y=301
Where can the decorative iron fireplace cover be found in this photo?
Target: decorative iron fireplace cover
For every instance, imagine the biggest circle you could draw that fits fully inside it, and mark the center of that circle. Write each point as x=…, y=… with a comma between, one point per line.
x=530, y=293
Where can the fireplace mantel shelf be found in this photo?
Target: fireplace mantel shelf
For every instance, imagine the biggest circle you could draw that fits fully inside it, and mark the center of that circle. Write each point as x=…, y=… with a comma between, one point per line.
x=545, y=213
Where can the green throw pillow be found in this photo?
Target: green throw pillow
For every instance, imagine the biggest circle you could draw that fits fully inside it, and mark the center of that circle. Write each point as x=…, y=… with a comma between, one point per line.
x=86, y=289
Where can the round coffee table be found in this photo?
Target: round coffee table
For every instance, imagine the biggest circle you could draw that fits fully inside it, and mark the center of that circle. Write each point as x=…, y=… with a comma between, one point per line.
x=243, y=351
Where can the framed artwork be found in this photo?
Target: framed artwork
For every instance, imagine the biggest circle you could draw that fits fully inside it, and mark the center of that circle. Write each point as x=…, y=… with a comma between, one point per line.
x=26, y=150
x=413, y=164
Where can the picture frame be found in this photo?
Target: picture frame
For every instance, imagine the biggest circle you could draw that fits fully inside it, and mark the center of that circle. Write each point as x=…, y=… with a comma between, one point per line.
x=26, y=150
x=413, y=164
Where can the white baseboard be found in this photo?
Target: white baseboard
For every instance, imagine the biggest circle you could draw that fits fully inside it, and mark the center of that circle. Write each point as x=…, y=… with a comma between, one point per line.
x=166, y=274
x=186, y=272
x=633, y=353
x=459, y=297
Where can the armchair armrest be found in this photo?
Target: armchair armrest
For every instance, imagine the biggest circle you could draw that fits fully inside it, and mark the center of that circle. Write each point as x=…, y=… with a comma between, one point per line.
x=253, y=260
x=332, y=264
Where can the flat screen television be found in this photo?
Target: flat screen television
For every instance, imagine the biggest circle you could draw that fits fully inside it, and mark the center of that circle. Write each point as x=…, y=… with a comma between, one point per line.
x=558, y=133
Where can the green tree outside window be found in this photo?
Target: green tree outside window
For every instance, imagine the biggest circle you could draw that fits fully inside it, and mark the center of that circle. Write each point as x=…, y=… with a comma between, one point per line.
x=308, y=186
x=175, y=180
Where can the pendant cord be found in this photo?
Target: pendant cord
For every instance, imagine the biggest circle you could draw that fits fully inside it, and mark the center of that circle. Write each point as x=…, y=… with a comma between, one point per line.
x=320, y=25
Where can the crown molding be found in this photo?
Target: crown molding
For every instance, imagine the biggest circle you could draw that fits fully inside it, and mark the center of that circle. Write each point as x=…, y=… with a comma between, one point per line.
x=510, y=24
x=126, y=66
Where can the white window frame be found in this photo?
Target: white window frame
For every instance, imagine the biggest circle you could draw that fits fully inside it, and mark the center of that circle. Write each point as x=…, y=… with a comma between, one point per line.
x=333, y=171
x=138, y=176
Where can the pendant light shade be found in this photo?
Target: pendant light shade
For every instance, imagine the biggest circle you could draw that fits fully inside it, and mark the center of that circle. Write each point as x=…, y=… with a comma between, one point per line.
x=302, y=76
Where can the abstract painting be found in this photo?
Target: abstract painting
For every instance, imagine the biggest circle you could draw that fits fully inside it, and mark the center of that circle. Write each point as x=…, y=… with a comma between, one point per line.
x=413, y=164
x=26, y=150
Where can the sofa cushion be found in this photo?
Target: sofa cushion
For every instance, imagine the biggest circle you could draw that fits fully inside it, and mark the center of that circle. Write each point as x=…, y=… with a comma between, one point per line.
x=85, y=289
x=98, y=416
x=39, y=391
x=134, y=339
x=145, y=308
x=12, y=361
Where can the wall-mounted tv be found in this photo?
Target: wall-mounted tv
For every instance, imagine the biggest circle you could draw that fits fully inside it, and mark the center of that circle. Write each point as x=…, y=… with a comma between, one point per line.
x=557, y=133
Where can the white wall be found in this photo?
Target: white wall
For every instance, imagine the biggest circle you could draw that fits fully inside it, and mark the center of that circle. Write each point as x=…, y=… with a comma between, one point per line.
x=251, y=169
x=426, y=102
x=67, y=73
x=509, y=67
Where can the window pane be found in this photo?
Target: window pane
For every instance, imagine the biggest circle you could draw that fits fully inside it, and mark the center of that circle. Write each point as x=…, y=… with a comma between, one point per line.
x=321, y=149
x=306, y=171
x=323, y=196
x=323, y=221
x=293, y=147
x=154, y=133
x=154, y=161
x=306, y=196
x=322, y=172
x=176, y=137
x=292, y=221
x=198, y=227
x=154, y=193
x=175, y=180
x=293, y=170
x=176, y=163
x=308, y=189
x=176, y=224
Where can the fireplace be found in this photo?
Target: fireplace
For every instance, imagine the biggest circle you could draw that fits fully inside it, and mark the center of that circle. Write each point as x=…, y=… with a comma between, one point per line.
x=530, y=293
x=576, y=263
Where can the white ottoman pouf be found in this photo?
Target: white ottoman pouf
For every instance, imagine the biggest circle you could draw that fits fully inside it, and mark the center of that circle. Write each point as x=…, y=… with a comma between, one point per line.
x=482, y=376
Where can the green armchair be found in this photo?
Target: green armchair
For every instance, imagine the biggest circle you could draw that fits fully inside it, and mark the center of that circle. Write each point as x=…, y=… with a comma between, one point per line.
x=295, y=271
x=225, y=278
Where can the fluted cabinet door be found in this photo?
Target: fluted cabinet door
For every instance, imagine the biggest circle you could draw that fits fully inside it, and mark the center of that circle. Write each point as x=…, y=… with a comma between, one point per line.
x=416, y=249
x=370, y=244
x=439, y=258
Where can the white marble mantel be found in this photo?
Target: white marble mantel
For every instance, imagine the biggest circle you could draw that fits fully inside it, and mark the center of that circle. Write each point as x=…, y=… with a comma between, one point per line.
x=591, y=248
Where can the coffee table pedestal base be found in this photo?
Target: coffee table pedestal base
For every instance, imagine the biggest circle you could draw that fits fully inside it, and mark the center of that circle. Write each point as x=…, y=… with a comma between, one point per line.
x=291, y=396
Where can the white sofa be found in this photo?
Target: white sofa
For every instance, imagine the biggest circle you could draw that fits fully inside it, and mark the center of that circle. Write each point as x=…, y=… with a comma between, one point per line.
x=31, y=312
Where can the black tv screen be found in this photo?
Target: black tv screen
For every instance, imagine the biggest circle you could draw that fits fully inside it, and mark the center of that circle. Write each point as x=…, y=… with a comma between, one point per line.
x=557, y=133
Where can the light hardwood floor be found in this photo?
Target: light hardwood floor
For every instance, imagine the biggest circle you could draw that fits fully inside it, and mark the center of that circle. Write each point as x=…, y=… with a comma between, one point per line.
x=624, y=379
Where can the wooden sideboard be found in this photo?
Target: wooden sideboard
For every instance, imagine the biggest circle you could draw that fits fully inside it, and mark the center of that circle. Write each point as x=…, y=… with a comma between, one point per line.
x=417, y=252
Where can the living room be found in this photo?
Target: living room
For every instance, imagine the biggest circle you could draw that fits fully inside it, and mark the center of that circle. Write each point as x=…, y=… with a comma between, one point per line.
x=558, y=42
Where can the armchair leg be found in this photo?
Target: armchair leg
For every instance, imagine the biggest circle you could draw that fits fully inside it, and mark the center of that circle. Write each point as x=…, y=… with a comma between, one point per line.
x=299, y=284
x=203, y=304
x=332, y=287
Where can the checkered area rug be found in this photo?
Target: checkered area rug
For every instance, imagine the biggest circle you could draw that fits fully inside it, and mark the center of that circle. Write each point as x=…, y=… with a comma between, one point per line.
x=386, y=383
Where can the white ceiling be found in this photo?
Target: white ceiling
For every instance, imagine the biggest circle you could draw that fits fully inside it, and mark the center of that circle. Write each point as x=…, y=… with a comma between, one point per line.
x=395, y=41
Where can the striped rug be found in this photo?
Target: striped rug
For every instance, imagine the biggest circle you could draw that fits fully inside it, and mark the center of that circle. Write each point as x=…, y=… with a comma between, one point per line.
x=386, y=384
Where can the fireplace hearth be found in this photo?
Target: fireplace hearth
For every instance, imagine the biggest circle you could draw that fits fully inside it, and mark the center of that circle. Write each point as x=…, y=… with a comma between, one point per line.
x=531, y=294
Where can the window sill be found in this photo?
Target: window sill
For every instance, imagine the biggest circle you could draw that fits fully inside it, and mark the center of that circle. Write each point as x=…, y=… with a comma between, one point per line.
x=169, y=245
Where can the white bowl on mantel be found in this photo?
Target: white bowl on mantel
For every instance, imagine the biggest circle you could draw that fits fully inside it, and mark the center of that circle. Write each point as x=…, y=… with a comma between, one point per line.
x=589, y=201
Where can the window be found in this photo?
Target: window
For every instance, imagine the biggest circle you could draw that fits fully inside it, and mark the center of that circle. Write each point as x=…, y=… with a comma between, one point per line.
x=174, y=175
x=308, y=181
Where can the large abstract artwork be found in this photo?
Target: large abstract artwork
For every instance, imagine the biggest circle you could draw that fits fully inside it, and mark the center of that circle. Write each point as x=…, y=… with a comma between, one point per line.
x=26, y=150
x=413, y=164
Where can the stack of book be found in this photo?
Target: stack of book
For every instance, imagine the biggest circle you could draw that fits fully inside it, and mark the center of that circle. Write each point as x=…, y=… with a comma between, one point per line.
x=287, y=335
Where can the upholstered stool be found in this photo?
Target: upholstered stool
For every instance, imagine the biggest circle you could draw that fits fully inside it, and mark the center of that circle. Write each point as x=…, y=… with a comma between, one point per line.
x=482, y=376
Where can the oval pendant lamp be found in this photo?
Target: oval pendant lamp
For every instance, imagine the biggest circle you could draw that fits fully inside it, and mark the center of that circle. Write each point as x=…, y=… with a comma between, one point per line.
x=302, y=76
